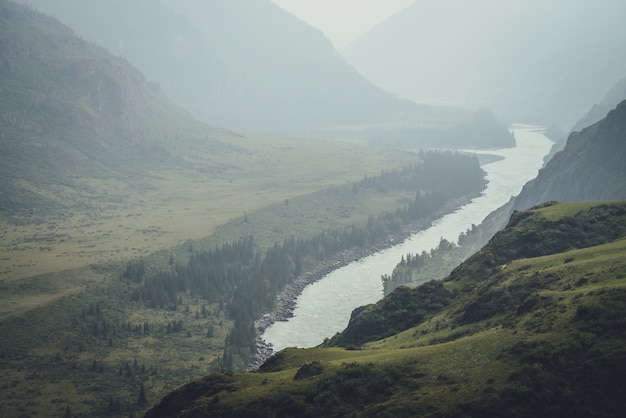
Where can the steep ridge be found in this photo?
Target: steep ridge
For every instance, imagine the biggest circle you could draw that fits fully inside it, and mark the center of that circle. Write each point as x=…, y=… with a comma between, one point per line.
x=528, y=325
x=598, y=111
x=234, y=63
x=613, y=97
x=591, y=167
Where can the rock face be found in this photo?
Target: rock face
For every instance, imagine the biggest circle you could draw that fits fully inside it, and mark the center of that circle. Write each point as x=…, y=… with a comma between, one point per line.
x=591, y=167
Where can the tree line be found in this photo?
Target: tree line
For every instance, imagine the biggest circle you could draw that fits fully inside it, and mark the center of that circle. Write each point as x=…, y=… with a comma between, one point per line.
x=245, y=280
x=415, y=269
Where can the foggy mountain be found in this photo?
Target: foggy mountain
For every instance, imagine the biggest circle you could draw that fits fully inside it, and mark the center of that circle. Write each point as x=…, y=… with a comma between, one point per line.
x=590, y=167
x=598, y=111
x=536, y=62
x=238, y=64
x=69, y=109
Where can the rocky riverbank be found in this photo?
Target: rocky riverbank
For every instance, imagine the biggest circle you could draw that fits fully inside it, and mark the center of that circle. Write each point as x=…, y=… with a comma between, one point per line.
x=286, y=300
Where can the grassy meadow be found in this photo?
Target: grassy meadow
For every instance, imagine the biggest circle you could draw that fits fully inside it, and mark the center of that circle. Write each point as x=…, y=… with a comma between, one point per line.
x=113, y=222
x=55, y=270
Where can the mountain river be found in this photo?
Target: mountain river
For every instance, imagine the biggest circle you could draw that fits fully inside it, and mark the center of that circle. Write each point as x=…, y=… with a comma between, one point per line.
x=324, y=307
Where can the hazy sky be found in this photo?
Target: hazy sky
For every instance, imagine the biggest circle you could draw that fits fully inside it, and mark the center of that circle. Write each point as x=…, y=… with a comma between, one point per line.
x=343, y=20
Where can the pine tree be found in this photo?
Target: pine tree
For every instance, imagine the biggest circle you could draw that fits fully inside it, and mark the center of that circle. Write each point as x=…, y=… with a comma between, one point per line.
x=142, y=399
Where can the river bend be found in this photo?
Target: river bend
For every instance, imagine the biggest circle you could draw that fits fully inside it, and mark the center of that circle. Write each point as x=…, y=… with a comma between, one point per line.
x=324, y=307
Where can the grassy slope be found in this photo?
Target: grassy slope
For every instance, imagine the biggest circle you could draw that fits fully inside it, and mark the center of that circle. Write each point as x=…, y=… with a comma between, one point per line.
x=99, y=167
x=180, y=204
x=563, y=321
x=297, y=169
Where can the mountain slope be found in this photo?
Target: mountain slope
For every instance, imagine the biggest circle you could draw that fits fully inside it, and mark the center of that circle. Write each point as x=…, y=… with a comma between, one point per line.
x=68, y=109
x=235, y=64
x=591, y=167
x=93, y=157
x=536, y=62
x=598, y=111
x=541, y=335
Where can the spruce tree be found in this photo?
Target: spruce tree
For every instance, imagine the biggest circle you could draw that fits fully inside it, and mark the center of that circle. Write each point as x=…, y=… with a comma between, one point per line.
x=142, y=399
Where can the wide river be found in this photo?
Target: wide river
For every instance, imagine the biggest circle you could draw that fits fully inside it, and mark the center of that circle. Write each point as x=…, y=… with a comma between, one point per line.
x=324, y=307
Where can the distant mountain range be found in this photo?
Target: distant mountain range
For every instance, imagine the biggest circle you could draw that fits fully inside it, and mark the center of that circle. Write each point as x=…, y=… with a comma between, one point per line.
x=245, y=65
x=537, y=62
x=69, y=109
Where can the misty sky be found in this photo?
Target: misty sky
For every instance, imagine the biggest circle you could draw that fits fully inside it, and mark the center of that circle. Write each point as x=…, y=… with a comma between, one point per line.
x=342, y=21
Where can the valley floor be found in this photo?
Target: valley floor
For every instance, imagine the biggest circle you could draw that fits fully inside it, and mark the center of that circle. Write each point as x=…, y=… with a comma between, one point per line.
x=115, y=223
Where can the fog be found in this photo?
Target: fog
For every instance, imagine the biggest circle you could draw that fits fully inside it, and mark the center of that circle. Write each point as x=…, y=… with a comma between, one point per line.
x=343, y=21
x=252, y=65
x=235, y=64
x=535, y=61
x=154, y=155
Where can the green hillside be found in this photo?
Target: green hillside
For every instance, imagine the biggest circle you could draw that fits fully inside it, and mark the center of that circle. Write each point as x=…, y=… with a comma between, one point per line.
x=589, y=168
x=532, y=325
x=104, y=178
x=98, y=165
x=70, y=110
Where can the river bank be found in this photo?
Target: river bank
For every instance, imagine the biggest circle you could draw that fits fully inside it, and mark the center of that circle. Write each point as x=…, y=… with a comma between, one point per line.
x=324, y=307
x=286, y=301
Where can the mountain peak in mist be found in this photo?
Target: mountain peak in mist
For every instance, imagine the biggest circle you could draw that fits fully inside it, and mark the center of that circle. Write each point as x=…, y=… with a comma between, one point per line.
x=235, y=64
x=538, y=62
